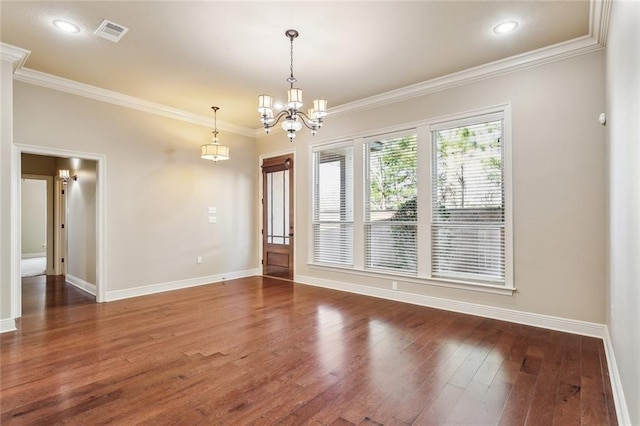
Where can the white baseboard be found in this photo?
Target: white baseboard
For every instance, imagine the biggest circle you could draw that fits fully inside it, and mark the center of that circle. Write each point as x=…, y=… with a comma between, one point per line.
x=622, y=411
x=33, y=255
x=528, y=318
x=7, y=325
x=176, y=285
x=81, y=284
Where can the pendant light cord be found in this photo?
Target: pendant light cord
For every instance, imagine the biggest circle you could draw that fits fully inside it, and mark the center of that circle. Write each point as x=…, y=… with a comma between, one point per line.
x=215, y=121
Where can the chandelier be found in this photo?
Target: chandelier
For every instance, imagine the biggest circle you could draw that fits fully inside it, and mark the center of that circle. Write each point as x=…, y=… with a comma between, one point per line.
x=293, y=117
x=214, y=151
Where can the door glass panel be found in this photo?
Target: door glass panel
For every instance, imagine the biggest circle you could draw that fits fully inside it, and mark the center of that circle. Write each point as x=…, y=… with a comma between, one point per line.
x=278, y=207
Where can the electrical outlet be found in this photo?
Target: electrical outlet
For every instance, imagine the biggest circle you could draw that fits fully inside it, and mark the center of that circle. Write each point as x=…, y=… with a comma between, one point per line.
x=199, y=259
x=394, y=285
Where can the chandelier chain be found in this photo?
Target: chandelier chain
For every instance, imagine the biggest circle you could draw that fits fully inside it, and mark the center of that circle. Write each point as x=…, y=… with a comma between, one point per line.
x=292, y=79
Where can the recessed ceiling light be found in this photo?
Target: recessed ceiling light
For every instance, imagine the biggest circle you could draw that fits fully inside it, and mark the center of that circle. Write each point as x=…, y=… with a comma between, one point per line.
x=65, y=26
x=505, y=27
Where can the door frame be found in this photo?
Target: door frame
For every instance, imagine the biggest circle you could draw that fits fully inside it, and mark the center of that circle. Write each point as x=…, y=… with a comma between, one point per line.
x=16, y=232
x=261, y=158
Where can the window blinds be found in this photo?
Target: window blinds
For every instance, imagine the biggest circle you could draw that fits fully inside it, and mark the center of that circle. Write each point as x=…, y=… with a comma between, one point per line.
x=391, y=203
x=468, y=202
x=333, y=206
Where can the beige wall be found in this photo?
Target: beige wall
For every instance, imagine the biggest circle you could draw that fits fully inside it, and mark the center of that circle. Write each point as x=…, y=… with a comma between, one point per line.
x=623, y=129
x=157, y=187
x=34, y=216
x=6, y=124
x=32, y=164
x=81, y=218
x=559, y=179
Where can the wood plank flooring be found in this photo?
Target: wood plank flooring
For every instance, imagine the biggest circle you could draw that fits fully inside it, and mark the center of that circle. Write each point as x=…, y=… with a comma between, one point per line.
x=264, y=351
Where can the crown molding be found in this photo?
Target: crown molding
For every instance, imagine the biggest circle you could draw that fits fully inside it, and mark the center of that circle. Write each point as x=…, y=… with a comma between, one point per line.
x=38, y=78
x=13, y=54
x=599, y=17
x=599, y=13
x=545, y=55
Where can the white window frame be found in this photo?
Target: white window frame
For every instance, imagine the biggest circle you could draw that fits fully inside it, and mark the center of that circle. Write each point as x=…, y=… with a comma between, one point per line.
x=424, y=130
x=313, y=150
x=462, y=122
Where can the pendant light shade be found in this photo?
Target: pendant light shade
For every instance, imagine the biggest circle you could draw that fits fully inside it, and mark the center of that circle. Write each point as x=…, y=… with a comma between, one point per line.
x=214, y=151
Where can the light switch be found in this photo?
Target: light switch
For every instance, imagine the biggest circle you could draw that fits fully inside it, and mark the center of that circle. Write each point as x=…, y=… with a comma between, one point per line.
x=212, y=210
x=212, y=219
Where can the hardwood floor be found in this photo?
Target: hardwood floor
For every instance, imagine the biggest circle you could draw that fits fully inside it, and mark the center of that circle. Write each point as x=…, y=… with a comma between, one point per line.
x=264, y=351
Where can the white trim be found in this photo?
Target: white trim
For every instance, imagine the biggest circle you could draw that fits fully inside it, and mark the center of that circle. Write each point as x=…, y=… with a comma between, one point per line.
x=16, y=55
x=545, y=55
x=502, y=113
x=81, y=284
x=599, y=13
x=16, y=281
x=360, y=189
x=415, y=279
x=50, y=81
x=176, y=285
x=15, y=250
x=567, y=325
x=528, y=318
x=622, y=411
x=7, y=325
x=509, y=274
x=346, y=140
x=423, y=127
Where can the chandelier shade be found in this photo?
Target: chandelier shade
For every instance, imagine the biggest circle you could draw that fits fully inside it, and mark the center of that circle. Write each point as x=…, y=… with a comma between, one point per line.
x=293, y=116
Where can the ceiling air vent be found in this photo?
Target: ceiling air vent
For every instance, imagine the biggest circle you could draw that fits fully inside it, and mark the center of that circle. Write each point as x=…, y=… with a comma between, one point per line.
x=111, y=31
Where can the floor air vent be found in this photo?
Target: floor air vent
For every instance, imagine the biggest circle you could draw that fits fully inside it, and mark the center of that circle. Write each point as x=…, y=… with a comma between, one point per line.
x=111, y=31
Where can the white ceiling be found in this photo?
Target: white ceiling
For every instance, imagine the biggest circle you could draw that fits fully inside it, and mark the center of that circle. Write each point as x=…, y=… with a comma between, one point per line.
x=191, y=55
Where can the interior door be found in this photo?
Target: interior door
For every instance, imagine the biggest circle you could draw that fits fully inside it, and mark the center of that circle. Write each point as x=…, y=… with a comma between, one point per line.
x=277, y=217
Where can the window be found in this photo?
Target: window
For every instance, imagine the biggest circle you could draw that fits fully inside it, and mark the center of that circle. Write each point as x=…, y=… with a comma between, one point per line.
x=333, y=205
x=468, y=201
x=277, y=190
x=429, y=204
x=391, y=224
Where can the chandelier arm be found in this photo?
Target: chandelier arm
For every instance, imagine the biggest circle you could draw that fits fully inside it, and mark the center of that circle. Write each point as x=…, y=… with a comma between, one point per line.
x=306, y=120
x=276, y=119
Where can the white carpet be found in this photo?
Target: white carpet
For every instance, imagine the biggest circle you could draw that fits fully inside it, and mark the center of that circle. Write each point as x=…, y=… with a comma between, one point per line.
x=33, y=266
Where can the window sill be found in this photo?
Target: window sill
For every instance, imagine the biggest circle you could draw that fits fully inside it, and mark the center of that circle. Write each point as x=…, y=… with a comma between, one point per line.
x=439, y=282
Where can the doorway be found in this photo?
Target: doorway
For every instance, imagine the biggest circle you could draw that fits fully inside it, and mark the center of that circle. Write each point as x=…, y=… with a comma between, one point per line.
x=37, y=226
x=277, y=217
x=89, y=248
